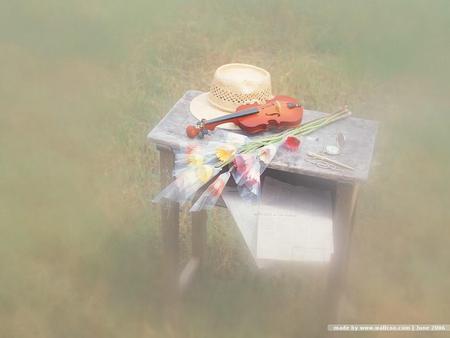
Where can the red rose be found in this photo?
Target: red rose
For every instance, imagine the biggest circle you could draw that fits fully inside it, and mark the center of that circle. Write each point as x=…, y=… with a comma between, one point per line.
x=291, y=143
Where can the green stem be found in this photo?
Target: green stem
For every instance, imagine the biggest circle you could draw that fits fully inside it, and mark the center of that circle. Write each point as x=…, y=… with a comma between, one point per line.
x=304, y=129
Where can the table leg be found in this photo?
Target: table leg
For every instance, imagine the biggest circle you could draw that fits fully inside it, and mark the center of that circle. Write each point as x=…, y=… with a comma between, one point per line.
x=344, y=206
x=170, y=235
x=199, y=220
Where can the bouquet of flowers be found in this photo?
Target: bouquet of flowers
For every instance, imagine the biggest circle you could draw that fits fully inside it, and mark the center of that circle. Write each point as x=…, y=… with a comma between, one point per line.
x=214, y=162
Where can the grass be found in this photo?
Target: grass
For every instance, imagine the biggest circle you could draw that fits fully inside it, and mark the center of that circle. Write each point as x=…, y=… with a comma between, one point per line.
x=81, y=84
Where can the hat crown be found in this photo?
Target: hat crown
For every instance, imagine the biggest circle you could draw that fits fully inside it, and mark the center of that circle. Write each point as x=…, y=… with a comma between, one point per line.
x=236, y=84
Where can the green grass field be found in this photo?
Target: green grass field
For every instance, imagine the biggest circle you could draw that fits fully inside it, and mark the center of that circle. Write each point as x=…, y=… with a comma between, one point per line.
x=82, y=82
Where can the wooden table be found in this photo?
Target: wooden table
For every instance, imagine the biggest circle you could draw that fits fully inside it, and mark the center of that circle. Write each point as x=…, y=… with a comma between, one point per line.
x=357, y=152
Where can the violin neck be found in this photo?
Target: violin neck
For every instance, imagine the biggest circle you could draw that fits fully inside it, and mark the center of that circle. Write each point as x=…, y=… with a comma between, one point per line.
x=211, y=124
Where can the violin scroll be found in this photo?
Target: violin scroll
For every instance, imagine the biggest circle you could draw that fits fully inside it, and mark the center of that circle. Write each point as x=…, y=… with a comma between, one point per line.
x=198, y=130
x=192, y=131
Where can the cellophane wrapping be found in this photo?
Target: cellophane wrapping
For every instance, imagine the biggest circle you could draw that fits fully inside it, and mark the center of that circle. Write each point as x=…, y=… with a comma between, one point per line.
x=210, y=196
x=246, y=174
x=197, y=162
x=183, y=188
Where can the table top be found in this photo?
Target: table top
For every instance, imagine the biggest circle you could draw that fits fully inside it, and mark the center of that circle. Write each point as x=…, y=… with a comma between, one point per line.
x=357, y=151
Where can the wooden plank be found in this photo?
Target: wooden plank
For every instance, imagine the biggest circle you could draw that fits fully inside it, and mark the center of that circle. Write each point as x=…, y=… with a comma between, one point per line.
x=357, y=152
x=344, y=206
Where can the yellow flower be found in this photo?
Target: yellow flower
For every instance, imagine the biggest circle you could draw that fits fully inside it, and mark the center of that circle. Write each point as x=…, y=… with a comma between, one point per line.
x=195, y=159
x=204, y=173
x=225, y=153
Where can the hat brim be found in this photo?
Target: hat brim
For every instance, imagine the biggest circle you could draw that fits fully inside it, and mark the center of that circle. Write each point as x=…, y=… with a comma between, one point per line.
x=201, y=108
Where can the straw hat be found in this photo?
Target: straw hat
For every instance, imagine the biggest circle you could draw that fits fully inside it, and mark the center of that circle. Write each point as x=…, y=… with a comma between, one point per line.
x=233, y=85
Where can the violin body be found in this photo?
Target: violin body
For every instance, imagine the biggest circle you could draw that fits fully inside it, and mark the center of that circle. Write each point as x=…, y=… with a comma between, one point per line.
x=274, y=115
x=281, y=112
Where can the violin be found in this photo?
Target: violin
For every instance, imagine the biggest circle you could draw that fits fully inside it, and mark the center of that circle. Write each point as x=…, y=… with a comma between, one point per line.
x=279, y=113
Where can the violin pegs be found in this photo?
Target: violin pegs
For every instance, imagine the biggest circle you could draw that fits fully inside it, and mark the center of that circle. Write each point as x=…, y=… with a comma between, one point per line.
x=291, y=105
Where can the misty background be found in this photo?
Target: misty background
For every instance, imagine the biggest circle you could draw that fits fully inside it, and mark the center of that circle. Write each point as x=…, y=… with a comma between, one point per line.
x=81, y=84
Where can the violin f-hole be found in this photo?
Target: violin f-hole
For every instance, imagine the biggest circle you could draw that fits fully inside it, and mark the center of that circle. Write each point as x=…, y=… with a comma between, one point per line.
x=273, y=114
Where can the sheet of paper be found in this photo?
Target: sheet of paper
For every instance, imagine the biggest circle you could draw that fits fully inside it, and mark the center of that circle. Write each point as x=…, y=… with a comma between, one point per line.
x=294, y=223
x=245, y=216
